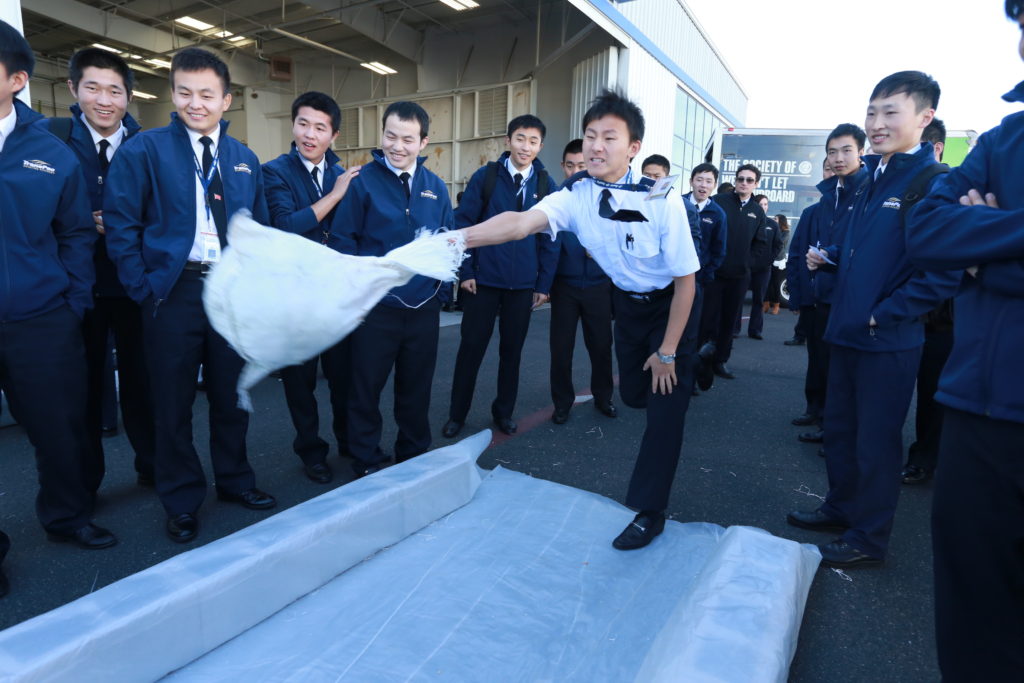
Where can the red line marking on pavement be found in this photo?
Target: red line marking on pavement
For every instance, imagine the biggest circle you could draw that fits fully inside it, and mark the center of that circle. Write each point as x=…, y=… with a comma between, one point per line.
x=536, y=418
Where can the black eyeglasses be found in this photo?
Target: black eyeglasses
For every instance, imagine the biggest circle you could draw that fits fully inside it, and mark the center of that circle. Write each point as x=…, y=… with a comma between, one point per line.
x=746, y=179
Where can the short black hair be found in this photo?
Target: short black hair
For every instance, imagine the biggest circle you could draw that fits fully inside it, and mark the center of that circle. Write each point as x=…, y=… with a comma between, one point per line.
x=574, y=147
x=657, y=160
x=726, y=187
x=915, y=84
x=753, y=169
x=851, y=129
x=320, y=102
x=99, y=59
x=193, y=59
x=704, y=168
x=934, y=132
x=1014, y=8
x=614, y=103
x=15, y=52
x=527, y=121
x=408, y=111
x=758, y=197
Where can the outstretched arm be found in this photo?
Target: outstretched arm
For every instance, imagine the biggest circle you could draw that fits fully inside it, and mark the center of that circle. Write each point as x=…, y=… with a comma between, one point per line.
x=505, y=227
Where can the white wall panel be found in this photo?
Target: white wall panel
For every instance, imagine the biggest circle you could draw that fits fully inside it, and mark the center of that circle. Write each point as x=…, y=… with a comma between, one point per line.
x=653, y=88
x=589, y=78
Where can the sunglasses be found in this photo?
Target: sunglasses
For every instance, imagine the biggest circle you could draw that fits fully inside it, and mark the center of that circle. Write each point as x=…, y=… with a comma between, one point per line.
x=746, y=179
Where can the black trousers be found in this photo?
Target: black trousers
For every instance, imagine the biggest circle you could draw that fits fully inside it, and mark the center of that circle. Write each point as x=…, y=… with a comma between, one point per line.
x=122, y=317
x=801, y=329
x=42, y=372
x=924, y=452
x=758, y=288
x=723, y=299
x=978, y=549
x=179, y=339
x=639, y=331
x=404, y=339
x=512, y=309
x=593, y=307
x=816, y=381
x=299, y=390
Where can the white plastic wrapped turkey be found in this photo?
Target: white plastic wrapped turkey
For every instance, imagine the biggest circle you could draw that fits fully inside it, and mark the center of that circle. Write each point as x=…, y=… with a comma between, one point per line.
x=280, y=299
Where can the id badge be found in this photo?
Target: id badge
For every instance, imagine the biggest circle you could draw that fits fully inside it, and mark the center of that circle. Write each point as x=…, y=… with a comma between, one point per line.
x=662, y=187
x=211, y=247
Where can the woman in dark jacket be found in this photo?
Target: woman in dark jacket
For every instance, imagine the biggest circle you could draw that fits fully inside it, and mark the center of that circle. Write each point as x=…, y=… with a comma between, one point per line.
x=778, y=274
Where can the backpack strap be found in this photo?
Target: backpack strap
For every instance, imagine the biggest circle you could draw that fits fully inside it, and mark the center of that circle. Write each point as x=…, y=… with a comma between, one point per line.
x=918, y=188
x=490, y=180
x=60, y=126
x=542, y=184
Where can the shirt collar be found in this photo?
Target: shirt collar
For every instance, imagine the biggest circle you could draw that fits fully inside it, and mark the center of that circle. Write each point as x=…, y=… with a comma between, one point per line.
x=700, y=205
x=512, y=170
x=399, y=172
x=194, y=136
x=7, y=124
x=115, y=139
x=310, y=165
x=882, y=165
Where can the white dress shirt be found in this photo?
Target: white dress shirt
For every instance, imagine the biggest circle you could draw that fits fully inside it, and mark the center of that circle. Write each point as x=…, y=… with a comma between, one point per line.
x=322, y=166
x=115, y=139
x=204, y=219
x=399, y=172
x=7, y=124
x=659, y=249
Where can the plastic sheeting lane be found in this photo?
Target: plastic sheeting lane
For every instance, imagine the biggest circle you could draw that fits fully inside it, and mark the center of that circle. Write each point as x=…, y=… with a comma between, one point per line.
x=209, y=595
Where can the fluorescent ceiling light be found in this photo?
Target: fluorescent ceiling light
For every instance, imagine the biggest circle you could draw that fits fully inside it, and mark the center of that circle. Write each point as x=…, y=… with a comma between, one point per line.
x=194, y=23
x=459, y=5
x=135, y=56
x=107, y=48
x=223, y=34
x=143, y=95
x=374, y=69
x=237, y=39
x=386, y=69
x=162, y=63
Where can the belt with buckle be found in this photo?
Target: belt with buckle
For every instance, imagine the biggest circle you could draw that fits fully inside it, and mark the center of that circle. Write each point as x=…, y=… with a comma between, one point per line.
x=198, y=267
x=648, y=297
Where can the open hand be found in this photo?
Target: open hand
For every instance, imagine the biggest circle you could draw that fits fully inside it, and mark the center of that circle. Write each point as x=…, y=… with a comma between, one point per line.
x=663, y=375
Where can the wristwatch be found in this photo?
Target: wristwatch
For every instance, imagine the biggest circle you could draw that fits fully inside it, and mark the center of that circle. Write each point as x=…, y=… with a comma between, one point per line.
x=666, y=358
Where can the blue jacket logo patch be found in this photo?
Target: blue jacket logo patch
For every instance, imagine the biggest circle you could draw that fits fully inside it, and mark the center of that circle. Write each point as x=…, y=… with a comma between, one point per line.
x=706, y=220
x=752, y=215
x=428, y=194
x=37, y=165
x=243, y=168
x=892, y=203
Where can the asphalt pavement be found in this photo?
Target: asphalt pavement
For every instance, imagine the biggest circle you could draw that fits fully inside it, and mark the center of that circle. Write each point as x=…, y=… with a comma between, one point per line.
x=741, y=464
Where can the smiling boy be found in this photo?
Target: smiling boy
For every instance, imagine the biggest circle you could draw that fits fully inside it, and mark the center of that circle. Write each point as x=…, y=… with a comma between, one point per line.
x=169, y=194
x=303, y=188
x=503, y=282
x=645, y=247
x=875, y=329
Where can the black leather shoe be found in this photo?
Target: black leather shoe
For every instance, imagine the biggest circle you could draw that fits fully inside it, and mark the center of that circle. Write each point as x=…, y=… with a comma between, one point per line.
x=451, y=428
x=254, y=499
x=320, y=472
x=795, y=341
x=641, y=531
x=705, y=373
x=812, y=437
x=805, y=420
x=183, y=528
x=755, y=335
x=363, y=470
x=722, y=371
x=607, y=409
x=90, y=536
x=842, y=555
x=146, y=480
x=506, y=425
x=815, y=520
x=560, y=417
x=915, y=474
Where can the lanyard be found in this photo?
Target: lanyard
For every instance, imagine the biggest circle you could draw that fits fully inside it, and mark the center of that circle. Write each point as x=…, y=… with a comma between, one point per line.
x=628, y=186
x=205, y=182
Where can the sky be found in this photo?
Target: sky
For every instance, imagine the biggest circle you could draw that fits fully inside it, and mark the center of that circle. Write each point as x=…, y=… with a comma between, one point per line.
x=813, y=63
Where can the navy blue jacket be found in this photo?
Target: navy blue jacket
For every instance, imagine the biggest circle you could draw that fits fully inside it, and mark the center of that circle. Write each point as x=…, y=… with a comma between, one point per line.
x=46, y=227
x=291, y=195
x=985, y=372
x=523, y=264
x=375, y=217
x=876, y=278
x=713, y=235
x=81, y=144
x=832, y=223
x=798, y=277
x=744, y=226
x=150, y=205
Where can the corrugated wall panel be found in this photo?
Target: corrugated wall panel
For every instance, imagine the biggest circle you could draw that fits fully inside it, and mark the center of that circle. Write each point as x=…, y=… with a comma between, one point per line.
x=589, y=77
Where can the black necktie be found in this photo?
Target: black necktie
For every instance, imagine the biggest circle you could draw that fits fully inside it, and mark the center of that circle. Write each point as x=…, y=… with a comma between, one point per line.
x=404, y=177
x=101, y=156
x=214, y=192
x=604, y=210
x=517, y=180
x=316, y=183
